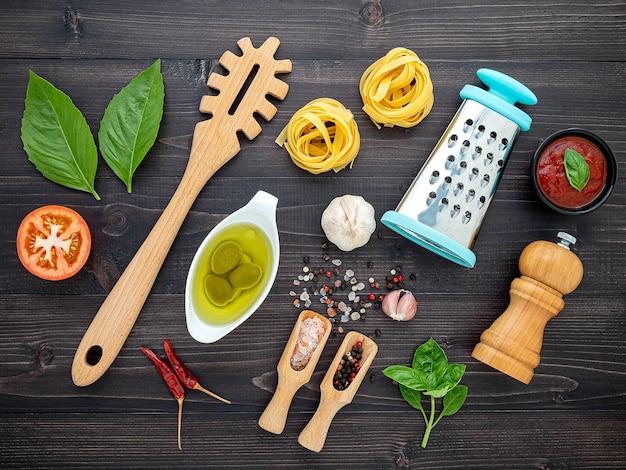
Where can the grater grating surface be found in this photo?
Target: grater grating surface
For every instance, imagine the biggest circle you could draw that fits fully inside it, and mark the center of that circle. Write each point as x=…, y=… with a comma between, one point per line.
x=444, y=207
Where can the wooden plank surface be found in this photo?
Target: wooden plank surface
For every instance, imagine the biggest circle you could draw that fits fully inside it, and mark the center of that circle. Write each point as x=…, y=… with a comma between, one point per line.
x=572, y=415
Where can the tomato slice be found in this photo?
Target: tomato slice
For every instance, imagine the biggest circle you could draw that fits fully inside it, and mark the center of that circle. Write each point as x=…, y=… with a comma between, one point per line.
x=53, y=242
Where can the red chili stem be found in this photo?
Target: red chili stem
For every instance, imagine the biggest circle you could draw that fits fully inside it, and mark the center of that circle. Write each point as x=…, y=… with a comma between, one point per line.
x=170, y=378
x=210, y=393
x=180, y=420
x=184, y=374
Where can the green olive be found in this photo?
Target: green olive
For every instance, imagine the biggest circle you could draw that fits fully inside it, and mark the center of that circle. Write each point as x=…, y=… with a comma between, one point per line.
x=245, y=275
x=218, y=290
x=226, y=257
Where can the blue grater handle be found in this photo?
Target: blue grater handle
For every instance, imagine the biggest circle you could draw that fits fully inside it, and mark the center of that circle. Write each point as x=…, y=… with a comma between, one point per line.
x=429, y=238
x=504, y=92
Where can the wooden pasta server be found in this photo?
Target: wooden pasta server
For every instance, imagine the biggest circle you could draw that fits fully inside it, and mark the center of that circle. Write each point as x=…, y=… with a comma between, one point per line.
x=215, y=142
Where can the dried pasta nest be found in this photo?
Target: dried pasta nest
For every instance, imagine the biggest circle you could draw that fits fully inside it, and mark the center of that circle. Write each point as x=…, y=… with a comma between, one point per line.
x=321, y=136
x=397, y=90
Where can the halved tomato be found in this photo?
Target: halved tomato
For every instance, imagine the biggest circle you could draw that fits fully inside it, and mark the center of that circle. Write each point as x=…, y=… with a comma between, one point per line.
x=53, y=242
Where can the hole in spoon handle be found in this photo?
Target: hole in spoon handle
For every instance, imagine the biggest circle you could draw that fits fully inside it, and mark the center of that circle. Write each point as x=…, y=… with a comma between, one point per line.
x=94, y=354
x=98, y=349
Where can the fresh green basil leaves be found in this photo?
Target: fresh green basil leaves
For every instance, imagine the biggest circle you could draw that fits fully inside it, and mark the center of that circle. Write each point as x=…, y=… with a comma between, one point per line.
x=576, y=169
x=131, y=122
x=431, y=375
x=57, y=138
x=58, y=141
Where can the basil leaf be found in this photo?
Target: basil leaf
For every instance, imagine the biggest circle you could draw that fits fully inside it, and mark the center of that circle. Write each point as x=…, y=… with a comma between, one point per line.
x=446, y=381
x=454, y=373
x=57, y=138
x=430, y=358
x=576, y=169
x=454, y=400
x=406, y=376
x=412, y=397
x=131, y=123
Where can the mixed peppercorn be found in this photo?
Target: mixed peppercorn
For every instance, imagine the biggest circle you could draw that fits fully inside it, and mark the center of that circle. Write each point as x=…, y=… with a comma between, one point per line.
x=345, y=296
x=348, y=367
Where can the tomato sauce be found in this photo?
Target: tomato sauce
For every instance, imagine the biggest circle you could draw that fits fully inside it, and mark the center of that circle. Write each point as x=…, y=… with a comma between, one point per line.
x=553, y=182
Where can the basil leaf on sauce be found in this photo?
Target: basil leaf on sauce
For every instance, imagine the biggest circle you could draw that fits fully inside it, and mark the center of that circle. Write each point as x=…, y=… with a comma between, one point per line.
x=131, y=123
x=57, y=138
x=576, y=169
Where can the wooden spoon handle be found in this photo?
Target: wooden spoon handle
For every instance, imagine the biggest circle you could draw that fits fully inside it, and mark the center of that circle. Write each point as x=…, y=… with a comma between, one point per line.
x=314, y=434
x=110, y=327
x=274, y=417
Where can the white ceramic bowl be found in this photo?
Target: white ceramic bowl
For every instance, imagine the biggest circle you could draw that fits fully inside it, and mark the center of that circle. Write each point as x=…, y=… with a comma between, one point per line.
x=260, y=212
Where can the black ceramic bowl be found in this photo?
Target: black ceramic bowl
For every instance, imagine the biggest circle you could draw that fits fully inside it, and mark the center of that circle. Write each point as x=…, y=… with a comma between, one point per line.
x=551, y=183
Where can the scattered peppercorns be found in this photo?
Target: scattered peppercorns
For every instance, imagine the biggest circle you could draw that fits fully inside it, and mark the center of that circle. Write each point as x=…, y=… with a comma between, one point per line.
x=348, y=367
x=344, y=296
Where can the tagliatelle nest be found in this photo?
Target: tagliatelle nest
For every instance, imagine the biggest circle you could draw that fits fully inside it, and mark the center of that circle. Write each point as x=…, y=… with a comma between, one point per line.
x=397, y=90
x=321, y=136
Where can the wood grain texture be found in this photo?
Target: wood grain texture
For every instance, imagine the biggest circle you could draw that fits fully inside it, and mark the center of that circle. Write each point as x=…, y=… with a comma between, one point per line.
x=573, y=413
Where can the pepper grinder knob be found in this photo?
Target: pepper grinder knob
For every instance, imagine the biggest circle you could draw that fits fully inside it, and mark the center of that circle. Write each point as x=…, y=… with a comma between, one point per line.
x=513, y=342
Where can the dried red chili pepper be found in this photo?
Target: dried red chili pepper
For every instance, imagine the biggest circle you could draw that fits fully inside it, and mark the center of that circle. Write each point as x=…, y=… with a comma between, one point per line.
x=184, y=374
x=172, y=382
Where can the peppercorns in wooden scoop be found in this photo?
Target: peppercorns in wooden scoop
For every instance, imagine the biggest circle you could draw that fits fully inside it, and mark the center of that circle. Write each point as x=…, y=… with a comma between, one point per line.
x=332, y=400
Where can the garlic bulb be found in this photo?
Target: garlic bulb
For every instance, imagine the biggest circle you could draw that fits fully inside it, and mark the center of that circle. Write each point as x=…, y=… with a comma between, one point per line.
x=348, y=222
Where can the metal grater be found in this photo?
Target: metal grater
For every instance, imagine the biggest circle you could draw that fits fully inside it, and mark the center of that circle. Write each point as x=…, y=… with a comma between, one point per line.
x=445, y=205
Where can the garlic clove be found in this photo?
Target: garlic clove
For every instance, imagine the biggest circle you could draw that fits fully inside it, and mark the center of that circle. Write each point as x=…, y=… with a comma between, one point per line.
x=400, y=305
x=349, y=222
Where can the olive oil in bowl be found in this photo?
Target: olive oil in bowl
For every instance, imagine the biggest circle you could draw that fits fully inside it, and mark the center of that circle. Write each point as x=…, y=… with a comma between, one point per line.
x=253, y=229
x=256, y=249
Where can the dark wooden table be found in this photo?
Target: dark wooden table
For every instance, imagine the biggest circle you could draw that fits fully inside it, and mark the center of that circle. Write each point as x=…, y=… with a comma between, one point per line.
x=572, y=414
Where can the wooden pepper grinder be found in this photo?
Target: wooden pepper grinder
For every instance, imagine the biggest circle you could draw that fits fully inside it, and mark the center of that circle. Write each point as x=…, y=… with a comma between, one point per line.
x=513, y=342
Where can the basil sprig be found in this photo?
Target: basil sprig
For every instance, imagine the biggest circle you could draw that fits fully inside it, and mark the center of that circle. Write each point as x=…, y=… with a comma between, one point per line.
x=57, y=138
x=431, y=375
x=576, y=169
x=59, y=142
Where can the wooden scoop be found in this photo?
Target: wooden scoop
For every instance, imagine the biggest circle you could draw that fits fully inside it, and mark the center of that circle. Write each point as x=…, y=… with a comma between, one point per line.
x=290, y=380
x=332, y=400
x=215, y=142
